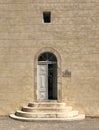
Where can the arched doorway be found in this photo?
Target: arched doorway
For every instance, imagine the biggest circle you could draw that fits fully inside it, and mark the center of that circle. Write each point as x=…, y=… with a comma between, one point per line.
x=47, y=77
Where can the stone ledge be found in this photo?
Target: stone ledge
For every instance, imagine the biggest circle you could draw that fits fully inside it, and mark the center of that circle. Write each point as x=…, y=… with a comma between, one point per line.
x=80, y=117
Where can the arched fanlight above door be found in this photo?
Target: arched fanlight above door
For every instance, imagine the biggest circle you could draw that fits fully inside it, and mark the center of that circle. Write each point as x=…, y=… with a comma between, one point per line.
x=47, y=56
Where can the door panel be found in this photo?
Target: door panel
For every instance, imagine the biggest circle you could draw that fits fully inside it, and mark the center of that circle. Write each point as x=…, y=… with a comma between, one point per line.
x=52, y=81
x=55, y=81
x=42, y=82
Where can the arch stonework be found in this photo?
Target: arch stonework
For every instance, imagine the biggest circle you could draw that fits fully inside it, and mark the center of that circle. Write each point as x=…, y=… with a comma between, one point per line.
x=59, y=74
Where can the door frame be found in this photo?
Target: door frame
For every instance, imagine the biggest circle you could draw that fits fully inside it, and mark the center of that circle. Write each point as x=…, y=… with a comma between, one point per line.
x=59, y=72
x=47, y=63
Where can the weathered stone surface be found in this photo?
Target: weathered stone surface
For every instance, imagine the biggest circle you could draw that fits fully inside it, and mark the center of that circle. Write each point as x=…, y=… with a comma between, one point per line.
x=47, y=111
x=73, y=33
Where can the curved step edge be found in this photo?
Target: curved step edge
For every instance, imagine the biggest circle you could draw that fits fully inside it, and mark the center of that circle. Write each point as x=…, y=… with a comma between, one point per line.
x=47, y=104
x=58, y=109
x=46, y=115
x=79, y=117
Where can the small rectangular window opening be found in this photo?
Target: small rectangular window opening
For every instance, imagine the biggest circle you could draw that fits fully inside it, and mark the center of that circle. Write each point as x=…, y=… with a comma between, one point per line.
x=46, y=17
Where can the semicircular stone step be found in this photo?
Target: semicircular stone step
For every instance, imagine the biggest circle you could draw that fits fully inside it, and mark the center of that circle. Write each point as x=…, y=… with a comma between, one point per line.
x=46, y=109
x=79, y=117
x=67, y=114
x=46, y=104
x=46, y=115
x=35, y=115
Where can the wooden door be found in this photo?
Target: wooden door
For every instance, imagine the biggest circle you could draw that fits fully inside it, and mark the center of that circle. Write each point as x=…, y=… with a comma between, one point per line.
x=42, y=82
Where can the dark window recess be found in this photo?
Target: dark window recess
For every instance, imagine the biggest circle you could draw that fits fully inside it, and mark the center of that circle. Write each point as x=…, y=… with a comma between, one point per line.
x=47, y=17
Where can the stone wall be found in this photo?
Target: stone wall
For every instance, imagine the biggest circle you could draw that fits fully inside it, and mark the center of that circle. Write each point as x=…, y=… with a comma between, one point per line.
x=73, y=33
